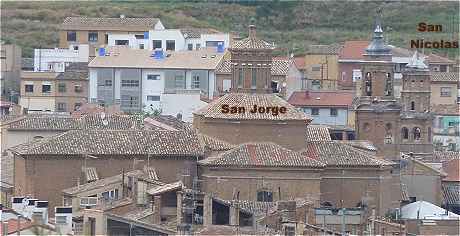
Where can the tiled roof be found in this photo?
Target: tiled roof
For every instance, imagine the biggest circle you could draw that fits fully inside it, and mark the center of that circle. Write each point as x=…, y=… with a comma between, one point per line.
x=115, y=142
x=446, y=155
x=75, y=71
x=445, y=76
x=436, y=59
x=215, y=144
x=53, y=122
x=337, y=154
x=214, y=109
x=128, y=24
x=197, y=32
x=163, y=122
x=165, y=188
x=279, y=67
x=261, y=155
x=361, y=144
x=318, y=99
x=251, y=43
x=452, y=169
x=318, y=133
x=204, y=59
x=332, y=49
x=451, y=193
x=353, y=50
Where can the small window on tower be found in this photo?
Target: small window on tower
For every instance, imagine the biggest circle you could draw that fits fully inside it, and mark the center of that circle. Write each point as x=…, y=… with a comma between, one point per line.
x=412, y=106
x=405, y=133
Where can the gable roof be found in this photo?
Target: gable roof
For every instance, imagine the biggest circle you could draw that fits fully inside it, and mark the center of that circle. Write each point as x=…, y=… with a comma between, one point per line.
x=261, y=155
x=204, y=59
x=99, y=23
x=323, y=98
x=115, y=142
x=251, y=44
x=214, y=109
x=336, y=154
x=318, y=133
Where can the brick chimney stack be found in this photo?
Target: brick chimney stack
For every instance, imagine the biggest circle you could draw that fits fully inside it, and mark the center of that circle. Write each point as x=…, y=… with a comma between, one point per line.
x=252, y=31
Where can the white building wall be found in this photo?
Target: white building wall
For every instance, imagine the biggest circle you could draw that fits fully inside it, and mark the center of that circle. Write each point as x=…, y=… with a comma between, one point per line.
x=92, y=85
x=133, y=42
x=212, y=84
x=169, y=34
x=117, y=85
x=58, y=57
x=184, y=104
x=152, y=88
x=215, y=37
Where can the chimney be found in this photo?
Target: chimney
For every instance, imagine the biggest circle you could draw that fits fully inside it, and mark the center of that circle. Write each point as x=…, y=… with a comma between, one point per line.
x=63, y=216
x=252, y=31
x=157, y=210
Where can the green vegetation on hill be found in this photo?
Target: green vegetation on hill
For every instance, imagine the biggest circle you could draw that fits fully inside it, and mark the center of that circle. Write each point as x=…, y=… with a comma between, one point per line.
x=291, y=25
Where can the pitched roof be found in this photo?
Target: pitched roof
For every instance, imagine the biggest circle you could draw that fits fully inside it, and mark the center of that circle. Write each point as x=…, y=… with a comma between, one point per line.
x=425, y=210
x=279, y=67
x=214, y=109
x=361, y=144
x=451, y=193
x=261, y=155
x=165, y=188
x=353, y=50
x=452, y=169
x=332, y=49
x=318, y=133
x=205, y=59
x=63, y=123
x=445, y=77
x=197, y=32
x=324, y=98
x=337, y=154
x=251, y=44
x=128, y=24
x=115, y=142
x=215, y=144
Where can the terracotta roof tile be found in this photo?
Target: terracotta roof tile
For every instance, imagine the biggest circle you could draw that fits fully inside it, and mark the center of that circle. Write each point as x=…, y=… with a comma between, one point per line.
x=451, y=193
x=318, y=133
x=279, y=67
x=337, y=154
x=353, y=50
x=261, y=155
x=332, y=49
x=115, y=142
x=215, y=144
x=445, y=77
x=452, y=169
x=326, y=98
x=251, y=43
x=128, y=24
x=214, y=109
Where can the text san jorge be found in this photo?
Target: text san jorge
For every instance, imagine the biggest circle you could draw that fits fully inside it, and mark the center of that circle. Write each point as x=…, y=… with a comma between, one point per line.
x=226, y=109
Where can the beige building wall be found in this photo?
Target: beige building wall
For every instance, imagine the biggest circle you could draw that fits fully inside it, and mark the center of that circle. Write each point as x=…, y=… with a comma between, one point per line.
x=293, y=183
x=323, y=68
x=437, y=99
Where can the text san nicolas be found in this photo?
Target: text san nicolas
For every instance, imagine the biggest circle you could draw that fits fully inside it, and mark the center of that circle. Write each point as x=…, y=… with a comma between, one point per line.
x=430, y=28
x=273, y=110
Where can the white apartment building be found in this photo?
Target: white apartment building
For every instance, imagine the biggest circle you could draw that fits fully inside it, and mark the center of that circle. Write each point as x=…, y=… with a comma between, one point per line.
x=177, y=82
x=171, y=39
x=55, y=60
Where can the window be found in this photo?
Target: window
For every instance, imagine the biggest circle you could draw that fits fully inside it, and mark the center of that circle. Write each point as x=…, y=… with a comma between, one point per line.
x=264, y=196
x=77, y=106
x=315, y=111
x=190, y=47
x=443, y=68
x=61, y=220
x=29, y=88
x=78, y=88
x=240, y=78
x=129, y=101
x=108, y=83
x=61, y=88
x=197, y=46
x=213, y=43
x=61, y=107
x=129, y=83
x=446, y=91
x=153, y=98
x=179, y=81
x=153, y=77
x=75, y=47
x=368, y=83
x=316, y=68
x=412, y=106
x=254, y=78
x=417, y=133
x=92, y=37
x=46, y=88
x=333, y=112
x=139, y=36
x=405, y=133
x=388, y=85
x=170, y=45
x=141, y=46
x=156, y=44
x=121, y=42
x=71, y=36
x=110, y=195
x=195, y=82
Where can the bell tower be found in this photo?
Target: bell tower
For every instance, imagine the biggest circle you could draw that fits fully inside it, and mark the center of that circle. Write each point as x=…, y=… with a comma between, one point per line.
x=251, y=60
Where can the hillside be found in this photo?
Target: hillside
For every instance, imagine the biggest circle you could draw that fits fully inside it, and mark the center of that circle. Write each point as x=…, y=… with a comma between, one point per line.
x=291, y=25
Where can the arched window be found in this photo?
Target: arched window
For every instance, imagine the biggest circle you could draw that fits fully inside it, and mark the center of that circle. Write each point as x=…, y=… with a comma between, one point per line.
x=417, y=133
x=388, y=86
x=412, y=106
x=405, y=133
